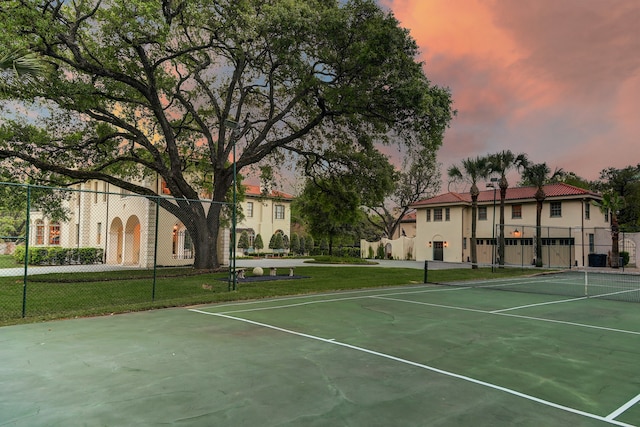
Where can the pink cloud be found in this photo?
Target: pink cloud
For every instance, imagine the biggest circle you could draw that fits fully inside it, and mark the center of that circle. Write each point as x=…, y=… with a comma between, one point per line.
x=558, y=80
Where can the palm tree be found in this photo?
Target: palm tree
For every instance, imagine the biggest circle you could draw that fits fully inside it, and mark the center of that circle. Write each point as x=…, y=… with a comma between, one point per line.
x=538, y=175
x=501, y=163
x=20, y=63
x=472, y=170
x=612, y=202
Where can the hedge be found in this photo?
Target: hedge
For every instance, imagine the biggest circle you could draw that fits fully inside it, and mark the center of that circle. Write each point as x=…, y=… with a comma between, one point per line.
x=59, y=256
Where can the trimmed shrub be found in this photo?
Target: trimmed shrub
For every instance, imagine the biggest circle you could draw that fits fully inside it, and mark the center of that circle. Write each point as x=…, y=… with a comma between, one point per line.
x=59, y=256
x=625, y=258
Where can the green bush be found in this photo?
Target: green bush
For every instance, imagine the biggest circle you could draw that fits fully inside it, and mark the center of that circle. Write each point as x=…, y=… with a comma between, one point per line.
x=625, y=258
x=59, y=256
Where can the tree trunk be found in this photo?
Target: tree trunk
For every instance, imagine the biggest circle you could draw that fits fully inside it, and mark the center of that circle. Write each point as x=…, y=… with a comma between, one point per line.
x=539, y=262
x=205, y=233
x=503, y=196
x=474, y=209
x=615, y=242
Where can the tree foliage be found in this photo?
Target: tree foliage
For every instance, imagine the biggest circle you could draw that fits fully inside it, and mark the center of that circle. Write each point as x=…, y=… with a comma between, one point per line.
x=258, y=244
x=613, y=203
x=472, y=170
x=243, y=241
x=170, y=89
x=537, y=175
x=626, y=183
x=337, y=189
x=418, y=179
x=500, y=163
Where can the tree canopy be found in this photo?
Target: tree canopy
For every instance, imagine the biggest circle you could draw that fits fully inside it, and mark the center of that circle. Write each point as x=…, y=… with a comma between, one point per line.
x=170, y=89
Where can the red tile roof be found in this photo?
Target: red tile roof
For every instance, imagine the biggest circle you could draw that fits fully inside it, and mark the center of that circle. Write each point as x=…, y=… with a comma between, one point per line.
x=409, y=217
x=558, y=190
x=254, y=191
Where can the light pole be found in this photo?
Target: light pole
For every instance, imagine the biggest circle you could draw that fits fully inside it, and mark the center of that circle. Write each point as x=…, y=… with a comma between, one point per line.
x=232, y=124
x=492, y=184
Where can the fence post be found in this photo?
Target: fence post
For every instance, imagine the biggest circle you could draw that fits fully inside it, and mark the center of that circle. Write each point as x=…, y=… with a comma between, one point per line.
x=26, y=255
x=155, y=252
x=426, y=269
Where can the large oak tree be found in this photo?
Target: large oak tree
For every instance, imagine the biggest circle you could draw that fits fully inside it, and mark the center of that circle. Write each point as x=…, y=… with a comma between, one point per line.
x=150, y=88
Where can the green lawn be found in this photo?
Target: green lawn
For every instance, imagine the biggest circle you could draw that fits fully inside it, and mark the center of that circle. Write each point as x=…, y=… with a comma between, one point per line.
x=8, y=261
x=55, y=296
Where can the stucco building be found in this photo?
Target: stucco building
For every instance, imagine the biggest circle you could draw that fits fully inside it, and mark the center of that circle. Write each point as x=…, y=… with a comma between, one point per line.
x=101, y=215
x=572, y=226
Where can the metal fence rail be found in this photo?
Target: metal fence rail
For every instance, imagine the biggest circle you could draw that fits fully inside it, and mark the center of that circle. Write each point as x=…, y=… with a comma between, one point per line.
x=88, y=247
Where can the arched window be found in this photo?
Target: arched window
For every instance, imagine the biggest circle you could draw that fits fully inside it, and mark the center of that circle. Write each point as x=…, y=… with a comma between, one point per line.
x=182, y=245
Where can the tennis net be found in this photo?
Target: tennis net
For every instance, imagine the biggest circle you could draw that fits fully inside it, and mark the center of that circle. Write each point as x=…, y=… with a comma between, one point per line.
x=576, y=282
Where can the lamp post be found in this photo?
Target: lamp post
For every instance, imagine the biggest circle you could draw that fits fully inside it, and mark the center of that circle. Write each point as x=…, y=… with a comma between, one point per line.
x=492, y=184
x=232, y=124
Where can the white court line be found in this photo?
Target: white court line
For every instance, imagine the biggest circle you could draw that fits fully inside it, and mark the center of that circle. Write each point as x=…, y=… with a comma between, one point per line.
x=540, y=319
x=420, y=365
x=540, y=303
x=360, y=291
x=275, y=307
x=563, y=322
x=623, y=408
x=452, y=307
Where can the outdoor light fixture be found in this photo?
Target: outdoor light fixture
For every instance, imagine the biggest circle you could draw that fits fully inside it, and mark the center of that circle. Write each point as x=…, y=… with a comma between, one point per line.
x=516, y=233
x=446, y=244
x=429, y=243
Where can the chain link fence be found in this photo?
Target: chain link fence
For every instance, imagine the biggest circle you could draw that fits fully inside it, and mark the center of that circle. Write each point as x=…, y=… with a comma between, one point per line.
x=562, y=247
x=85, y=249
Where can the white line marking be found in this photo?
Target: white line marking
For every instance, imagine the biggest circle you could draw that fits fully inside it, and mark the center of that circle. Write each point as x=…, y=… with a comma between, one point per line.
x=540, y=303
x=540, y=319
x=623, y=408
x=331, y=300
x=430, y=304
x=435, y=287
x=426, y=367
x=563, y=322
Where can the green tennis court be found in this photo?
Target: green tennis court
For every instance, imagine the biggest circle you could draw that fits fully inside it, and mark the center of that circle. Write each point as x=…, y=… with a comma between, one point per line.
x=423, y=355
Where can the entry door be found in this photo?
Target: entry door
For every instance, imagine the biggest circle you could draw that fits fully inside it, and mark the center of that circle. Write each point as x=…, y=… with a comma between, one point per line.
x=438, y=252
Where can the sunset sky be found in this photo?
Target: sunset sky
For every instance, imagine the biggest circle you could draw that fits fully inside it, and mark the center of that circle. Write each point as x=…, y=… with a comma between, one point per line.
x=556, y=79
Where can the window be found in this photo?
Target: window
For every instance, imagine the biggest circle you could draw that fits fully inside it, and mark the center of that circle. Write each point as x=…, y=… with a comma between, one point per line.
x=587, y=210
x=54, y=233
x=606, y=215
x=464, y=243
x=99, y=234
x=428, y=215
x=249, y=209
x=516, y=212
x=104, y=191
x=279, y=211
x=447, y=214
x=164, y=189
x=592, y=243
x=556, y=209
x=437, y=214
x=39, y=233
x=95, y=192
x=482, y=213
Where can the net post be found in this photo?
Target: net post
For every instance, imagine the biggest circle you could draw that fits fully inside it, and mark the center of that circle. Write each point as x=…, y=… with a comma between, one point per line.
x=426, y=269
x=586, y=283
